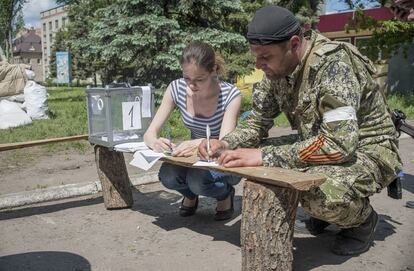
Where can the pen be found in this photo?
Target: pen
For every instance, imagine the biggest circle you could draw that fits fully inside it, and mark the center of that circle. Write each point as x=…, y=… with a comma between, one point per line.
x=208, y=141
x=167, y=130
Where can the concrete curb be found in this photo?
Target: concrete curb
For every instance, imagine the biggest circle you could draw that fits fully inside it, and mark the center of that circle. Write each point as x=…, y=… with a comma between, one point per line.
x=24, y=198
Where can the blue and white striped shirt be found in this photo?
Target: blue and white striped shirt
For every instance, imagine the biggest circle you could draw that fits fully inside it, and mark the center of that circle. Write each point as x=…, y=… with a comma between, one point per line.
x=197, y=125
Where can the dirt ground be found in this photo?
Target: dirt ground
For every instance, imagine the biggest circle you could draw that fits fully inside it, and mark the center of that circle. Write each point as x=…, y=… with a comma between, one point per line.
x=80, y=234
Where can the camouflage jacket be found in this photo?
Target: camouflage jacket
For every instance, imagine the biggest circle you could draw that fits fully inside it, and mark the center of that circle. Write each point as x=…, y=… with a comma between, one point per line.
x=335, y=104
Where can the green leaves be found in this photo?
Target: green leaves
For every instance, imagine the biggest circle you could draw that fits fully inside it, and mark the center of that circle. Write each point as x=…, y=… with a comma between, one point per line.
x=143, y=39
x=387, y=36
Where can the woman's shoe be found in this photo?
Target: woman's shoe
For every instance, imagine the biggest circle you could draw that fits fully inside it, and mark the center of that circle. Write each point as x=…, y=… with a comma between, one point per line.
x=226, y=214
x=188, y=211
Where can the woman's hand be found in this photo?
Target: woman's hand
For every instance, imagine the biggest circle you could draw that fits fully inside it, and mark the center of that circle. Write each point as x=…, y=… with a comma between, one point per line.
x=187, y=148
x=162, y=145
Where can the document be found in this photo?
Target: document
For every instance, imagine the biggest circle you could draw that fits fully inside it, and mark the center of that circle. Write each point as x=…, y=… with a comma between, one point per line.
x=131, y=147
x=205, y=164
x=145, y=159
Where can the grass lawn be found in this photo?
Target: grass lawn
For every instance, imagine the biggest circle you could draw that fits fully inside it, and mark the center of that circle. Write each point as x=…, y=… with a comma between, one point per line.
x=68, y=117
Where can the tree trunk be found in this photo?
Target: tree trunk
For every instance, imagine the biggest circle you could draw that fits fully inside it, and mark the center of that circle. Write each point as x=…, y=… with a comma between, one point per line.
x=267, y=226
x=113, y=174
x=2, y=55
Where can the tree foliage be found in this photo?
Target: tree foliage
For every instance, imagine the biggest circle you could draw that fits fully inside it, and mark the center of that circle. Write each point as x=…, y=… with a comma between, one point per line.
x=387, y=36
x=9, y=10
x=142, y=39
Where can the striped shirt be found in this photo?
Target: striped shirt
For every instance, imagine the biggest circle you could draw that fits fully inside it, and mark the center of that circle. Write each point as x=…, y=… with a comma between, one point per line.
x=197, y=125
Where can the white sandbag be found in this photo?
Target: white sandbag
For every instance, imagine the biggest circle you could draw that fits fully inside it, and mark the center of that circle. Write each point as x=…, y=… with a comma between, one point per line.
x=11, y=115
x=16, y=98
x=30, y=74
x=35, y=97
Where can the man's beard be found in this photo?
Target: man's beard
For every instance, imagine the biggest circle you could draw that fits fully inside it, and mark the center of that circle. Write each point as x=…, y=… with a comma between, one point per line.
x=273, y=76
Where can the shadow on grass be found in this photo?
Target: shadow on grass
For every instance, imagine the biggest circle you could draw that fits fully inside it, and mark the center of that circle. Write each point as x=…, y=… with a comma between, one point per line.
x=45, y=261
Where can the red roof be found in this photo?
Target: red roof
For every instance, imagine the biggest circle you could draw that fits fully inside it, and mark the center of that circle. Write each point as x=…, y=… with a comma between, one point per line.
x=337, y=21
x=28, y=42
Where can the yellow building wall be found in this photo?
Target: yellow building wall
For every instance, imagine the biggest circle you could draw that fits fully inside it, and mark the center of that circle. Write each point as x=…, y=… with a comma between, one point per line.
x=245, y=83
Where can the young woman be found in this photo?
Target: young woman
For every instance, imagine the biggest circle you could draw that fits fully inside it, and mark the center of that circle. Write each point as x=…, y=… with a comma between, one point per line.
x=202, y=100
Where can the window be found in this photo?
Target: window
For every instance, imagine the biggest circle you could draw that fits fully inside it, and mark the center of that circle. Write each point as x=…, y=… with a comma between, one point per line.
x=38, y=61
x=50, y=38
x=56, y=24
x=44, y=27
x=63, y=21
x=50, y=25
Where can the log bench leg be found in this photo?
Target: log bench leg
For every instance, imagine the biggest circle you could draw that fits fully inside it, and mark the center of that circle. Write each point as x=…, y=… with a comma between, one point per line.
x=267, y=226
x=113, y=174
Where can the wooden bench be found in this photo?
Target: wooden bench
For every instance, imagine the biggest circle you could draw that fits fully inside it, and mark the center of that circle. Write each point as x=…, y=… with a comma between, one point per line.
x=270, y=200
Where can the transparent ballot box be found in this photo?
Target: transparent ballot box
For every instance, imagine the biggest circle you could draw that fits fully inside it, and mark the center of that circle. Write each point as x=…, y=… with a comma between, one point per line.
x=119, y=114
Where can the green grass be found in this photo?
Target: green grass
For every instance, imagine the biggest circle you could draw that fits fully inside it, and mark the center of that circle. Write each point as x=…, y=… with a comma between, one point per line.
x=67, y=112
x=404, y=103
x=68, y=117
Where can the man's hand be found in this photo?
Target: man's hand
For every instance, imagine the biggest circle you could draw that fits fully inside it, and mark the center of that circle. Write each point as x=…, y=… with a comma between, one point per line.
x=241, y=158
x=216, y=148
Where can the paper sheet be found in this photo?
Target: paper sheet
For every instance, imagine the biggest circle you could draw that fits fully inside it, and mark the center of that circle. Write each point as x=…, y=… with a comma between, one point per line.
x=131, y=147
x=146, y=102
x=206, y=164
x=145, y=159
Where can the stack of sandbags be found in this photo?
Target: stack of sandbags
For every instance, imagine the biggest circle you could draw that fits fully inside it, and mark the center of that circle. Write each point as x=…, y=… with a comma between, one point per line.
x=35, y=97
x=11, y=115
x=12, y=78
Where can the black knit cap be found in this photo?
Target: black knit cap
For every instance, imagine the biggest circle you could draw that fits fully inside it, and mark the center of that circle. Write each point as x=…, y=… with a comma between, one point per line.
x=272, y=24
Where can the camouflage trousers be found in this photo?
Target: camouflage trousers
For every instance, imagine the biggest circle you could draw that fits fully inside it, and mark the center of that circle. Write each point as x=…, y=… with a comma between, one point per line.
x=343, y=199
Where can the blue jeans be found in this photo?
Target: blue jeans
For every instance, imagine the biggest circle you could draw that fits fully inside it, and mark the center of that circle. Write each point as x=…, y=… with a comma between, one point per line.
x=191, y=182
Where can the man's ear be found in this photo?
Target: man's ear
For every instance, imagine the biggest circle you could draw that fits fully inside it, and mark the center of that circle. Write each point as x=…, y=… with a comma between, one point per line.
x=294, y=43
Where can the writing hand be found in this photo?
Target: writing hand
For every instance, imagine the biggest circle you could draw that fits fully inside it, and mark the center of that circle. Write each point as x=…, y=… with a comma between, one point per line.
x=163, y=145
x=241, y=158
x=216, y=147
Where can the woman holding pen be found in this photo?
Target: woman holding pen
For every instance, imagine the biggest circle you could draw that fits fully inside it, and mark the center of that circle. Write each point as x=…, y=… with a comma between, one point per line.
x=203, y=100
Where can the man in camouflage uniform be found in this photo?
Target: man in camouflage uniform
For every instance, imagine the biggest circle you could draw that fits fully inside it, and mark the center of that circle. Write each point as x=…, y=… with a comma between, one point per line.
x=327, y=91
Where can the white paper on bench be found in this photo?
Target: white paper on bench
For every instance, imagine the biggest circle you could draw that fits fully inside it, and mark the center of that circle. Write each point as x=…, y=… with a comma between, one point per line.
x=131, y=147
x=205, y=164
x=145, y=159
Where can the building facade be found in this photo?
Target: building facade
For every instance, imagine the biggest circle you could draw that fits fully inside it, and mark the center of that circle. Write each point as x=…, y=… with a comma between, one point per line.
x=27, y=49
x=396, y=71
x=333, y=26
x=52, y=21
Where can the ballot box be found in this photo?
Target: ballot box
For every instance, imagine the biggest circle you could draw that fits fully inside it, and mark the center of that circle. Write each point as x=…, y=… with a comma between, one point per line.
x=119, y=113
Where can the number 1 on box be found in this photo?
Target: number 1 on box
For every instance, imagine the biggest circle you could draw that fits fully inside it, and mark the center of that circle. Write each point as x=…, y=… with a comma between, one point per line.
x=131, y=115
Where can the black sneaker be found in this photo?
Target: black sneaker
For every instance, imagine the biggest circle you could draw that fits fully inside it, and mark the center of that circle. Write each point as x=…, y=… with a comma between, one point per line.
x=354, y=241
x=316, y=226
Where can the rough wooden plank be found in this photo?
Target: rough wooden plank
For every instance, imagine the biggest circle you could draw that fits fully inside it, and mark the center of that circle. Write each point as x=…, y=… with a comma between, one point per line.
x=113, y=174
x=19, y=145
x=270, y=175
x=267, y=226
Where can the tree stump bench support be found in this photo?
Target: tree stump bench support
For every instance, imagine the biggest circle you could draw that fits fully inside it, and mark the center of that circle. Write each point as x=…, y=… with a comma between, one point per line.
x=113, y=174
x=270, y=199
